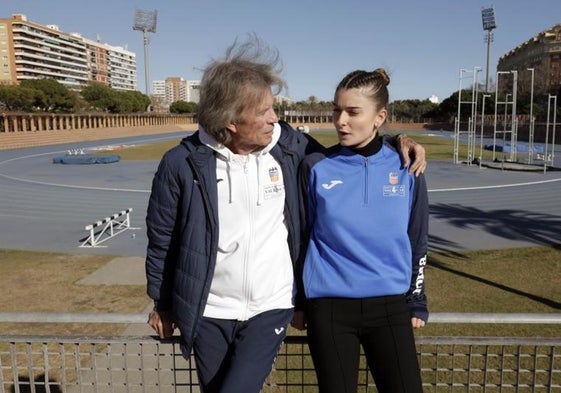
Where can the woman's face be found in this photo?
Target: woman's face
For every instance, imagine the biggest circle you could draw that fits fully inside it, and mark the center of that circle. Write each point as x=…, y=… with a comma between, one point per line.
x=356, y=118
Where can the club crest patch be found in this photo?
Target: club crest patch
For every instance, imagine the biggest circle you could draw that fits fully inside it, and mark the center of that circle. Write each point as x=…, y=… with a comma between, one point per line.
x=393, y=178
x=394, y=188
x=274, y=174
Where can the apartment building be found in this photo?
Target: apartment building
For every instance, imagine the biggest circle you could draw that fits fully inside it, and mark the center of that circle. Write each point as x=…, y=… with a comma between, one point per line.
x=159, y=89
x=173, y=89
x=32, y=51
x=122, y=68
x=542, y=54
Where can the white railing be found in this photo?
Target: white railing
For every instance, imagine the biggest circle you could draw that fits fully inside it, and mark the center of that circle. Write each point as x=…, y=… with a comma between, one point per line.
x=132, y=318
x=146, y=364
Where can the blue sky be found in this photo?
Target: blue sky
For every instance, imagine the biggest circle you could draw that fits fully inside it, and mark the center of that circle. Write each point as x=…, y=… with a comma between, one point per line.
x=422, y=44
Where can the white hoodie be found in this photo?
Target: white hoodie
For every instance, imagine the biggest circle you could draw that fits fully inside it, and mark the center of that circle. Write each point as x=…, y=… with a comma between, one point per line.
x=253, y=268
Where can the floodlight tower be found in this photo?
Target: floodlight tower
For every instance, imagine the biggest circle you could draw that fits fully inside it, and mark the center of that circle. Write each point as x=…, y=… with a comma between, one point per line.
x=145, y=21
x=489, y=23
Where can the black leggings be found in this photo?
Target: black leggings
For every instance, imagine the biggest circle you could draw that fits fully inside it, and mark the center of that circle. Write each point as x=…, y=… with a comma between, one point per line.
x=382, y=325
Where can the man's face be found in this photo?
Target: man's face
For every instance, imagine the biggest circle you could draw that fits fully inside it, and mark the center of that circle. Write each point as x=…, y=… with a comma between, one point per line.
x=254, y=129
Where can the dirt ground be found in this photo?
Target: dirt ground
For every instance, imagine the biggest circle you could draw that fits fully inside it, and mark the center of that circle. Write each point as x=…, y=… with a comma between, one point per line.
x=52, y=282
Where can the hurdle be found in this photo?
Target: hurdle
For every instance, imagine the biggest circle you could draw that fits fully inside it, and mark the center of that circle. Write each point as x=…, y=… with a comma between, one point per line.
x=112, y=226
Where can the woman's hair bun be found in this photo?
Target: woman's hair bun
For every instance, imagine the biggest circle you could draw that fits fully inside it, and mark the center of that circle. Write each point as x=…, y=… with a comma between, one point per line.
x=383, y=75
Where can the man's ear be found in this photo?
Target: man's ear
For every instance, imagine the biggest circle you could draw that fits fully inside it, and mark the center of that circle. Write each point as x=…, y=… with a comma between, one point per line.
x=232, y=127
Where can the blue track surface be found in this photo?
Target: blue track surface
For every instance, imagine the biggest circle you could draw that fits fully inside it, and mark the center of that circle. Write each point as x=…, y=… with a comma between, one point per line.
x=44, y=206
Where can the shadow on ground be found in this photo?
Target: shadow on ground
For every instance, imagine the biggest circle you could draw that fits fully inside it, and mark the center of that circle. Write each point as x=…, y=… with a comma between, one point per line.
x=540, y=229
x=548, y=302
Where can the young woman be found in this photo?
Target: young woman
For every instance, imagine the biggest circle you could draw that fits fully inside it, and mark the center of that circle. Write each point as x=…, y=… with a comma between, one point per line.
x=363, y=273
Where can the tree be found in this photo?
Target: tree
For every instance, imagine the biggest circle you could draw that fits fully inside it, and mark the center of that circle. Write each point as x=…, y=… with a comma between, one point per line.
x=415, y=111
x=183, y=107
x=312, y=102
x=139, y=101
x=55, y=97
x=105, y=99
x=120, y=104
x=17, y=98
x=98, y=96
x=448, y=108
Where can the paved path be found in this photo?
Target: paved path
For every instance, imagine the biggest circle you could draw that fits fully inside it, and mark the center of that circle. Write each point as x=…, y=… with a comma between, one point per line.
x=45, y=206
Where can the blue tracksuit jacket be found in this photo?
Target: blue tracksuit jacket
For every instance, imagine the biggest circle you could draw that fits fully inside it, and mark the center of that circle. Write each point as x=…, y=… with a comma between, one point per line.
x=368, y=221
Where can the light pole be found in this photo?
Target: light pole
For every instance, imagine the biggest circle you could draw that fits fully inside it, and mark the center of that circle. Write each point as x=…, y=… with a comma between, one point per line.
x=482, y=124
x=145, y=21
x=531, y=129
x=489, y=23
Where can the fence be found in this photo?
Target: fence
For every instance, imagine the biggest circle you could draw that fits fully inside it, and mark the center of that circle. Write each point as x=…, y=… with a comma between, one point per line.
x=16, y=123
x=146, y=364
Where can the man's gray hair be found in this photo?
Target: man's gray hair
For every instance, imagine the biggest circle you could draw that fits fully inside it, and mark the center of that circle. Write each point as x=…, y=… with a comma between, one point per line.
x=236, y=82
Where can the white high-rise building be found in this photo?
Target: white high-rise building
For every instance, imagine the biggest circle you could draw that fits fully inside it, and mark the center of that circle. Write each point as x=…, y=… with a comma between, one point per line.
x=193, y=94
x=29, y=50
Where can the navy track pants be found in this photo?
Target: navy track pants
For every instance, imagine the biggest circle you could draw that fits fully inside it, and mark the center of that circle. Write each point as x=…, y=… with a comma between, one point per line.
x=237, y=356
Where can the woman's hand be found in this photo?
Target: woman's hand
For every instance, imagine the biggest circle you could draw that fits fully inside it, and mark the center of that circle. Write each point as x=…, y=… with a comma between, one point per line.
x=417, y=323
x=299, y=320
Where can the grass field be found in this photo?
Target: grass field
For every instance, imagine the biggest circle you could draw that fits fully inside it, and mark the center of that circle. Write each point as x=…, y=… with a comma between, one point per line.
x=437, y=148
x=524, y=280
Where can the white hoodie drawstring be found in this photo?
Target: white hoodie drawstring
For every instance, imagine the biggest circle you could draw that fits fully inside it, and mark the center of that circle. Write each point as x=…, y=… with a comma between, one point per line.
x=229, y=174
x=260, y=197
